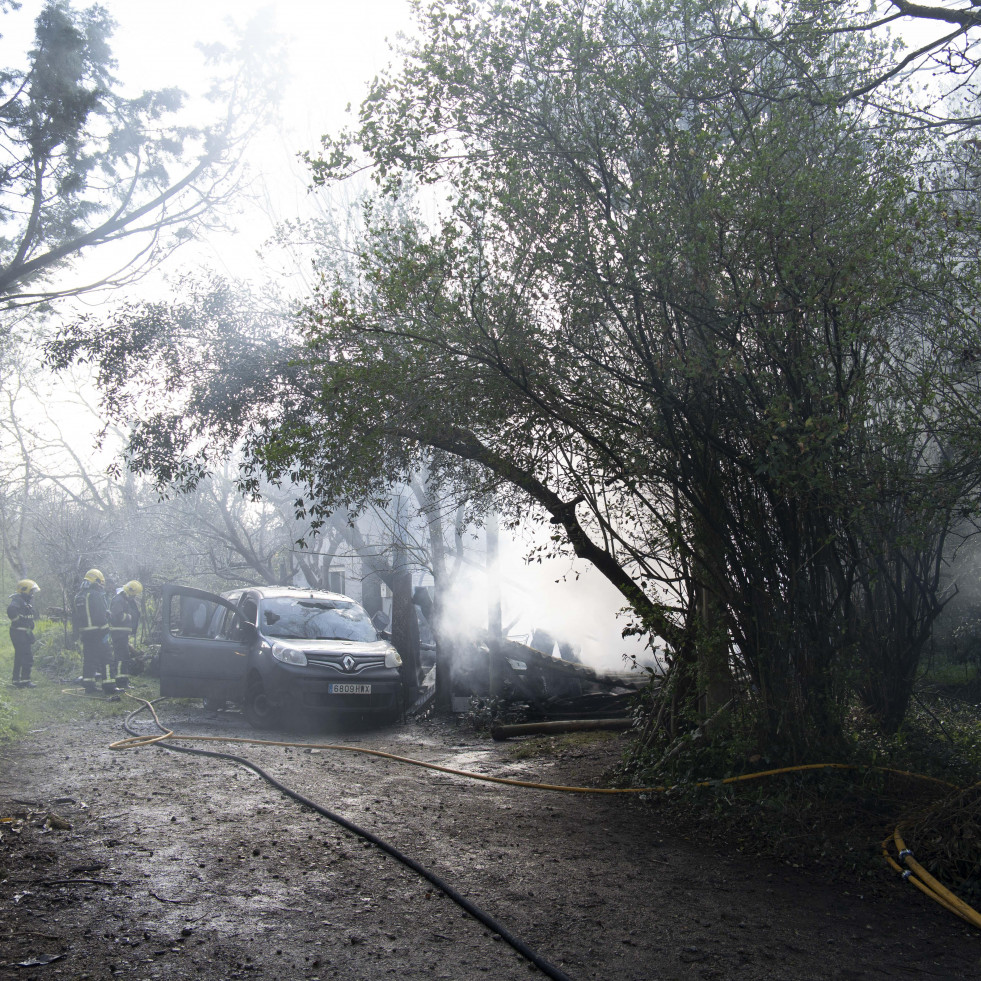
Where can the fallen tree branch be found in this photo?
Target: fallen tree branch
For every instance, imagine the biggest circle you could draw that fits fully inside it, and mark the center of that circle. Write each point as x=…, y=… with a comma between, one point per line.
x=569, y=725
x=176, y=902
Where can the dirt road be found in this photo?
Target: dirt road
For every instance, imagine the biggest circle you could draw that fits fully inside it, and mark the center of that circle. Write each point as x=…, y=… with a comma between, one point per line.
x=178, y=866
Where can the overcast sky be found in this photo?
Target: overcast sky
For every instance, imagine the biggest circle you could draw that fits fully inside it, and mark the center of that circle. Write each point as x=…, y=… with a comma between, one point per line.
x=334, y=47
x=333, y=50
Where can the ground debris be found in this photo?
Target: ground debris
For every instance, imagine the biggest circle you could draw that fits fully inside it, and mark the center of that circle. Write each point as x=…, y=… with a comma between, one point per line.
x=572, y=875
x=41, y=960
x=55, y=822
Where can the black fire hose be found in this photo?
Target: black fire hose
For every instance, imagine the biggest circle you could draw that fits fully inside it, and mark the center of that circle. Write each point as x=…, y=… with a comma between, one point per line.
x=444, y=887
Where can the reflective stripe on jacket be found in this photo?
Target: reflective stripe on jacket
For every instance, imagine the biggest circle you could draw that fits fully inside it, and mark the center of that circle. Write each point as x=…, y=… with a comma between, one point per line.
x=124, y=614
x=92, y=611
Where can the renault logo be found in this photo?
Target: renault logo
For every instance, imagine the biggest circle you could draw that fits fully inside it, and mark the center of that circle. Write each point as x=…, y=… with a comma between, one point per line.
x=348, y=663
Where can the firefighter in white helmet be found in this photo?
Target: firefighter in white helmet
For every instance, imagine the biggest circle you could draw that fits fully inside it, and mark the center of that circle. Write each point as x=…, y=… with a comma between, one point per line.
x=124, y=618
x=22, y=616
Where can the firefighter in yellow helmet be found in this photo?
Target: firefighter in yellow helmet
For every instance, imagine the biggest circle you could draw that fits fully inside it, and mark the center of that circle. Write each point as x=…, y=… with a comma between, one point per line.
x=22, y=616
x=124, y=618
x=91, y=615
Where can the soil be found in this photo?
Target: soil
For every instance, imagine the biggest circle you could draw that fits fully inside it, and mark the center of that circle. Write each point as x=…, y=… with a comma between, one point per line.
x=145, y=863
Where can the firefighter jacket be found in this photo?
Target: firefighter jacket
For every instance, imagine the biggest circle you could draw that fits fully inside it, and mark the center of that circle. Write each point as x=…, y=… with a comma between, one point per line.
x=91, y=611
x=124, y=614
x=22, y=615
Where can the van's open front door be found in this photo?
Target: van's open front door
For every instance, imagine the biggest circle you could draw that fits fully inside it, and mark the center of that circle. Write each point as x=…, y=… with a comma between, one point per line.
x=203, y=653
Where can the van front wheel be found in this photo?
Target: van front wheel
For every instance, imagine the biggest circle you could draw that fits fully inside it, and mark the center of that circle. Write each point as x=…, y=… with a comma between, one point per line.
x=257, y=708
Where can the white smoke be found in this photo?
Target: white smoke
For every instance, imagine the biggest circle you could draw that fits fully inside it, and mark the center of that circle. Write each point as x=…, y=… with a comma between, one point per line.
x=566, y=597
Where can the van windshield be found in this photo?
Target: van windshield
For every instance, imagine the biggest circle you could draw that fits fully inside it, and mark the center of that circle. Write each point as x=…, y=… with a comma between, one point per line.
x=292, y=618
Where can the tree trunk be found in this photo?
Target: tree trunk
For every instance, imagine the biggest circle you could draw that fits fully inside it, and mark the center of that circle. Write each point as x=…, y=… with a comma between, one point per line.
x=405, y=626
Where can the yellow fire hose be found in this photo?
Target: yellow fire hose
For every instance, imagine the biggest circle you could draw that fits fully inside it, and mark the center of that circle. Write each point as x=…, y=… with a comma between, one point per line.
x=914, y=872
x=926, y=883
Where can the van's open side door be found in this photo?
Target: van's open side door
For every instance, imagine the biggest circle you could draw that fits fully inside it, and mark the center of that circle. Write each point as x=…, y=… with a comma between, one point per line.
x=202, y=652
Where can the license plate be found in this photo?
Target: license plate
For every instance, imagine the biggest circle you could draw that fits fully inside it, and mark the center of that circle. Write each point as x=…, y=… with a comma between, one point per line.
x=339, y=689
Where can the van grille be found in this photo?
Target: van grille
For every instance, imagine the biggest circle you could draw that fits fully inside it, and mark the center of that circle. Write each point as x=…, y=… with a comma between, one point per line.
x=332, y=662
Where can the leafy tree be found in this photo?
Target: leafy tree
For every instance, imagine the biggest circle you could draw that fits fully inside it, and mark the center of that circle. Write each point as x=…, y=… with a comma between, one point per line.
x=702, y=322
x=934, y=45
x=84, y=166
x=661, y=291
x=200, y=383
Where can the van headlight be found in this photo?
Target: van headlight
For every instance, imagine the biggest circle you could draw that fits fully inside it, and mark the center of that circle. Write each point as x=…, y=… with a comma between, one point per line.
x=393, y=659
x=289, y=655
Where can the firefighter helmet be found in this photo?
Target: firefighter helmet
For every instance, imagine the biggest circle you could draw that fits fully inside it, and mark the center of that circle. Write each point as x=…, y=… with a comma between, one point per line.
x=95, y=577
x=28, y=587
x=133, y=589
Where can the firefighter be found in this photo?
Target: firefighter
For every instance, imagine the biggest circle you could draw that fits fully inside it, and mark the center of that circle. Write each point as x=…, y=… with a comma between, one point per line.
x=22, y=616
x=91, y=611
x=124, y=618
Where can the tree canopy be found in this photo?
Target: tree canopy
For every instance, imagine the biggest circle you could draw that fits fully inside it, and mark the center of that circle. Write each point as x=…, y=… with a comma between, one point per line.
x=83, y=165
x=677, y=289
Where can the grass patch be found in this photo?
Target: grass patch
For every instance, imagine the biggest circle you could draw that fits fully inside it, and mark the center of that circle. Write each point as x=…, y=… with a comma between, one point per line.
x=538, y=747
x=55, y=700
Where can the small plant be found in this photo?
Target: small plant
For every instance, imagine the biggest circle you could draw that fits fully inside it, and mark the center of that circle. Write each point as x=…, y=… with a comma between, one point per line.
x=843, y=812
x=537, y=747
x=54, y=655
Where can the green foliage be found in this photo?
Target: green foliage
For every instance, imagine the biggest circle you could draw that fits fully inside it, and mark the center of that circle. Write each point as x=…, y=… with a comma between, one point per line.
x=835, y=817
x=676, y=288
x=55, y=699
x=564, y=745
x=940, y=738
x=213, y=400
x=958, y=673
x=55, y=655
x=84, y=166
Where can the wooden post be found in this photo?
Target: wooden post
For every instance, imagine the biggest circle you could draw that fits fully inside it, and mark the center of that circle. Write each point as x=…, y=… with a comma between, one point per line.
x=494, y=611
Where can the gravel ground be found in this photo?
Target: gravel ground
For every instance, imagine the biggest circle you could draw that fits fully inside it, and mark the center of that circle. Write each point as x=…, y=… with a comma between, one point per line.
x=145, y=864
